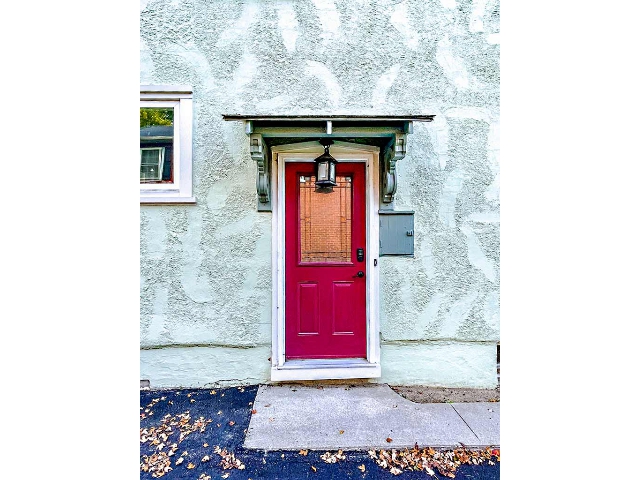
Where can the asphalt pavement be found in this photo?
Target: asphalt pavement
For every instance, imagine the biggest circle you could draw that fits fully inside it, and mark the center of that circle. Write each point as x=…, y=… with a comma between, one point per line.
x=195, y=433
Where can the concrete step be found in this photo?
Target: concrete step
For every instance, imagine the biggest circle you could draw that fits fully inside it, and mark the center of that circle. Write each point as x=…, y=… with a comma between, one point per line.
x=292, y=417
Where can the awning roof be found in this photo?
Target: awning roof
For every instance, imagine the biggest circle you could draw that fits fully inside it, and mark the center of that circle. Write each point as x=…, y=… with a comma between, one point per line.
x=294, y=127
x=388, y=132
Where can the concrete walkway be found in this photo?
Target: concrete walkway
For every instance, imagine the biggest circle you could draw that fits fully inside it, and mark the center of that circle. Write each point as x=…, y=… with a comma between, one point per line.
x=293, y=417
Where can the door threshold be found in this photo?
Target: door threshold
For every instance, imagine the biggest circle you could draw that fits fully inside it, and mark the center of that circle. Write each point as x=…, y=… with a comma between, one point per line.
x=325, y=369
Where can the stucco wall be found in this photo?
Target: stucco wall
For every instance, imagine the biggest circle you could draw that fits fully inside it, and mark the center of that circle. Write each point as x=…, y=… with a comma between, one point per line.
x=206, y=268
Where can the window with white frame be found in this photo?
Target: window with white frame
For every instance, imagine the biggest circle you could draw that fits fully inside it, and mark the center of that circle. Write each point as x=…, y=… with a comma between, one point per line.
x=166, y=144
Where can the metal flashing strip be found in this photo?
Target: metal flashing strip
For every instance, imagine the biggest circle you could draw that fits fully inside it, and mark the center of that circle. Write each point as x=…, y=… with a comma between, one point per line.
x=335, y=118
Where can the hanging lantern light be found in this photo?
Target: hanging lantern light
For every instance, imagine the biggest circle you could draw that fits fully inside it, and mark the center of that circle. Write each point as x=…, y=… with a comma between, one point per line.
x=326, y=168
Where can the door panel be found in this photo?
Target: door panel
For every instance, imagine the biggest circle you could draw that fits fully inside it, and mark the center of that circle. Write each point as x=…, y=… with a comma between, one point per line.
x=343, y=311
x=308, y=308
x=325, y=308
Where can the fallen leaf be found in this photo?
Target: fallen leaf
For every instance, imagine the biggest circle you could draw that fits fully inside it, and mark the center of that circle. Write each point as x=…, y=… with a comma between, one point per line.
x=226, y=475
x=253, y=412
x=219, y=412
x=205, y=445
x=361, y=468
x=180, y=460
x=341, y=432
x=212, y=392
x=389, y=440
x=204, y=477
x=314, y=468
x=190, y=466
x=303, y=452
x=395, y=471
x=282, y=456
x=232, y=423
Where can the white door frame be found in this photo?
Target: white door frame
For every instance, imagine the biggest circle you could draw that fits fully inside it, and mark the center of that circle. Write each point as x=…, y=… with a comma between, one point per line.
x=319, y=369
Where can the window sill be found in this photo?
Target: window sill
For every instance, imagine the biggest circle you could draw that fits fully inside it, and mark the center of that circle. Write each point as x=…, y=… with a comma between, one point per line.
x=167, y=200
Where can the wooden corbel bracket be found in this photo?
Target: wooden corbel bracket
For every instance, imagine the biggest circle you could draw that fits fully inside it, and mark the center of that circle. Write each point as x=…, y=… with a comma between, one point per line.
x=260, y=154
x=395, y=150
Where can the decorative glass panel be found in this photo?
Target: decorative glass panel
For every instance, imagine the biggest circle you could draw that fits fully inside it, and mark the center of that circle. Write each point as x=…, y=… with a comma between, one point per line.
x=156, y=145
x=325, y=222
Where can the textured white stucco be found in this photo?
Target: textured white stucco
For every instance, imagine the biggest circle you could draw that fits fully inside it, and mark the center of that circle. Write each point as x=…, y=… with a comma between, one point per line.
x=466, y=364
x=206, y=269
x=201, y=366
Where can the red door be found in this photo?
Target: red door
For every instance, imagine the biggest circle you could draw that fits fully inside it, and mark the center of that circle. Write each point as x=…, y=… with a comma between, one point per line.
x=325, y=281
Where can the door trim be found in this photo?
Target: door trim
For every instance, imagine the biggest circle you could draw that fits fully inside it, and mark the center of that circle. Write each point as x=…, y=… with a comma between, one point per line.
x=320, y=369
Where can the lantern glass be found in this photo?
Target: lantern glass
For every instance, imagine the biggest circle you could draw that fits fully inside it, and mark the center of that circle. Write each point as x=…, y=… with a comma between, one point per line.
x=322, y=172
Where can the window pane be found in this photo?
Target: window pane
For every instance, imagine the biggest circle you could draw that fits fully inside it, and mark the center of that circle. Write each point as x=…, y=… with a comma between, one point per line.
x=156, y=132
x=325, y=222
x=148, y=172
x=149, y=157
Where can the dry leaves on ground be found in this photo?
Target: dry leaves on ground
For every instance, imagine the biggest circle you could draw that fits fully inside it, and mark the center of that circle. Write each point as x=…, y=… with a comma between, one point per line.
x=446, y=462
x=229, y=460
x=147, y=411
x=159, y=462
x=329, y=457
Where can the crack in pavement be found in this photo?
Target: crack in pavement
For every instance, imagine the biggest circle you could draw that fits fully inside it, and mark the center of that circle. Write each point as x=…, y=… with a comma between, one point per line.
x=465, y=422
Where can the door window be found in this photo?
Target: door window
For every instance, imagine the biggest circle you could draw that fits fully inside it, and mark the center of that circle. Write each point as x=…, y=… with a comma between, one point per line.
x=325, y=222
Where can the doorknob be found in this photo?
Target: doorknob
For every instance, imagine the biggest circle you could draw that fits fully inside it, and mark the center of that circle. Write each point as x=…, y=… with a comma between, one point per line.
x=360, y=274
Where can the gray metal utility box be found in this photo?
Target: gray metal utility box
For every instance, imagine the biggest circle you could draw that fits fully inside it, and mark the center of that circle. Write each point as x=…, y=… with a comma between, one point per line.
x=396, y=233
